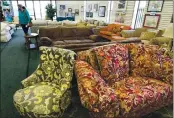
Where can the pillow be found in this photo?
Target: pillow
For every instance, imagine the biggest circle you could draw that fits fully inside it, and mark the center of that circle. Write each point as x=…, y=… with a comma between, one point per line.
x=113, y=62
x=127, y=33
x=147, y=35
x=116, y=29
x=106, y=33
x=96, y=23
x=125, y=27
x=138, y=31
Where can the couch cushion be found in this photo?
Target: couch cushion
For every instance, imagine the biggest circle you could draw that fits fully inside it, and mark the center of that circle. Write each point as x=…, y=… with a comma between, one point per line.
x=68, y=32
x=136, y=94
x=83, y=31
x=150, y=61
x=39, y=22
x=147, y=35
x=58, y=42
x=78, y=41
x=50, y=32
x=113, y=62
x=54, y=23
x=138, y=31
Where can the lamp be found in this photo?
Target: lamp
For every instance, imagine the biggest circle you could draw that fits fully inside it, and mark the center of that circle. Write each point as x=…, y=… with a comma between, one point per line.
x=169, y=31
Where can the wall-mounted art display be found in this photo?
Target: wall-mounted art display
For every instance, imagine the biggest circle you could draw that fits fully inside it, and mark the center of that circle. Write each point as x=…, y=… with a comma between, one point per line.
x=171, y=19
x=62, y=7
x=91, y=14
x=87, y=14
x=62, y=10
x=77, y=12
x=155, y=6
x=121, y=5
x=69, y=9
x=120, y=17
x=151, y=21
x=89, y=7
x=95, y=7
x=101, y=12
x=82, y=8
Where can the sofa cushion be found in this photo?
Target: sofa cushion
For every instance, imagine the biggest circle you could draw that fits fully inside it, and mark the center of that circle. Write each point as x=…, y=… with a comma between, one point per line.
x=68, y=32
x=54, y=23
x=138, y=31
x=113, y=62
x=58, y=42
x=39, y=22
x=78, y=41
x=147, y=35
x=83, y=31
x=150, y=61
x=138, y=93
x=127, y=33
x=50, y=32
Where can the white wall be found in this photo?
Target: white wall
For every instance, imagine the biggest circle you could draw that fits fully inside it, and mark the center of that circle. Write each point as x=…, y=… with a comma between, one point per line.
x=71, y=4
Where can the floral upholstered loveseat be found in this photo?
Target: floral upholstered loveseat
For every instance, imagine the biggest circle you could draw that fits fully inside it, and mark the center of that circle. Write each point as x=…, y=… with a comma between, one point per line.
x=46, y=93
x=124, y=81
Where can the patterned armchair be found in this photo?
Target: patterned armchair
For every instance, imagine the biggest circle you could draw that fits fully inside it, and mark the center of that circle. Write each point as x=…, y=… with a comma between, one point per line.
x=124, y=80
x=46, y=93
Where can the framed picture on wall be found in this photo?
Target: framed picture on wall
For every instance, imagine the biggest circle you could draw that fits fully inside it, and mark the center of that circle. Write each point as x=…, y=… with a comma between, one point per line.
x=69, y=9
x=101, y=12
x=82, y=8
x=62, y=7
x=121, y=5
x=151, y=21
x=95, y=7
x=91, y=14
x=87, y=14
x=155, y=6
x=90, y=7
x=77, y=12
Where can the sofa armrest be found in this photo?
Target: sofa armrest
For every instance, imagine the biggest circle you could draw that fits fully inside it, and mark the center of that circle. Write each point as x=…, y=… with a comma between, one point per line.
x=45, y=41
x=94, y=93
x=32, y=79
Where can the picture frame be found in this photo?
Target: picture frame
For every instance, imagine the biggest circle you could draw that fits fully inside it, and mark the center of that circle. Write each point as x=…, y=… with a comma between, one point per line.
x=95, y=7
x=121, y=5
x=89, y=7
x=77, y=12
x=69, y=9
x=82, y=8
x=102, y=10
x=155, y=6
x=151, y=21
x=87, y=14
x=62, y=7
x=91, y=14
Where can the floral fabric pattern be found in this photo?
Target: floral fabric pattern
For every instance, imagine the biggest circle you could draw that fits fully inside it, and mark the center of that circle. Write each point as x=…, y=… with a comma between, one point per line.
x=150, y=61
x=46, y=92
x=138, y=93
x=113, y=62
x=95, y=94
x=145, y=85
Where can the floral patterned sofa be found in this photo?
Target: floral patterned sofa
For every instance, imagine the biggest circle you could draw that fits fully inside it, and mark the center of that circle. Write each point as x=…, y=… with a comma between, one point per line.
x=46, y=93
x=124, y=80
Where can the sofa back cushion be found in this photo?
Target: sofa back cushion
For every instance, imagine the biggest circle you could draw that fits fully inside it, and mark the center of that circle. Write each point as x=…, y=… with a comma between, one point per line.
x=113, y=62
x=68, y=32
x=138, y=31
x=150, y=61
x=147, y=35
x=50, y=32
x=83, y=31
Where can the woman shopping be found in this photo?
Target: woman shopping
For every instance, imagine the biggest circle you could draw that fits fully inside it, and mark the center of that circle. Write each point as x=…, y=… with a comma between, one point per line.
x=24, y=21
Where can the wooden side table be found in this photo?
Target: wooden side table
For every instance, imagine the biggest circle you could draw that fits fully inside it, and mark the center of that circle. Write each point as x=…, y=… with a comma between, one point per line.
x=33, y=36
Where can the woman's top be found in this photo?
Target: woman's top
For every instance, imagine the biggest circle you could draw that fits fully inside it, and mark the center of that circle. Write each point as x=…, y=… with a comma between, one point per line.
x=24, y=17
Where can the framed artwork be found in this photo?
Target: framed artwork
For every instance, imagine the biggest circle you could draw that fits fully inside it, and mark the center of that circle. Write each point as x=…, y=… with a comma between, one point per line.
x=77, y=12
x=151, y=21
x=95, y=7
x=120, y=17
x=62, y=7
x=91, y=14
x=121, y=5
x=101, y=12
x=69, y=9
x=171, y=19
x=87, y=14
x=155, y=6
x=82, y=8
x=90, y=7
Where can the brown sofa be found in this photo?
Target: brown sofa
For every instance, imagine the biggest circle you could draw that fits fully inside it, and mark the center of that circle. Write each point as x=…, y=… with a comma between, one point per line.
x=74, y=38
